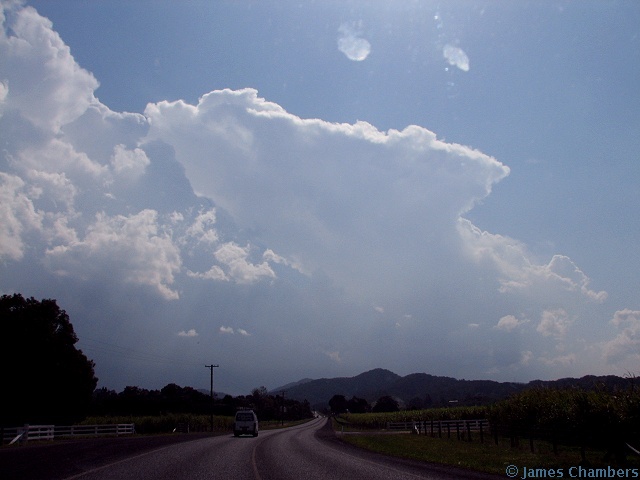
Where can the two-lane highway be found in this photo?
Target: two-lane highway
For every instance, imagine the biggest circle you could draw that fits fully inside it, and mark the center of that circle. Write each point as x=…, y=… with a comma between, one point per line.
x=309, y=451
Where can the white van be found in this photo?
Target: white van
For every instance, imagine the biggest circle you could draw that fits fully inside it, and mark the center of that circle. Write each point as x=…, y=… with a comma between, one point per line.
x=246, y=423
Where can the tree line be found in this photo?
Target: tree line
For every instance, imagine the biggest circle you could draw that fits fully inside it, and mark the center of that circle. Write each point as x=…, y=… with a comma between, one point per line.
x=172, y=399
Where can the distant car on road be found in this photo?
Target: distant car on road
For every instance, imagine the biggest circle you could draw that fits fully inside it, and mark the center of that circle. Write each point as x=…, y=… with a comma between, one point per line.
x=246, y=423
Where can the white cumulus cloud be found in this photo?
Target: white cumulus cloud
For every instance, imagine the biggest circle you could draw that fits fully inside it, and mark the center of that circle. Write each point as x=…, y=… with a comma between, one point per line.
x=240, y=269
x=132, y=245
x=131, y=163
x=35, y=59
x=554, y=323
x=296, y=228
x=17, y=215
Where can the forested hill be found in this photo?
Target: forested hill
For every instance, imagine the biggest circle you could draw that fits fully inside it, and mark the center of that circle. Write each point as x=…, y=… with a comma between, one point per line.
x=422, y=390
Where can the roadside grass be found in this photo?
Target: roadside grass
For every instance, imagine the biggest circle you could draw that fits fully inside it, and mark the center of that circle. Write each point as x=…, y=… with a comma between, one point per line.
x=484, y=457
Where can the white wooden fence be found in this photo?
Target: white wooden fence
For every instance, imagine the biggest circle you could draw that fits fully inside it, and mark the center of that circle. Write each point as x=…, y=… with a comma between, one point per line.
x=49, y=432
x=460, y=428
x=473, y=425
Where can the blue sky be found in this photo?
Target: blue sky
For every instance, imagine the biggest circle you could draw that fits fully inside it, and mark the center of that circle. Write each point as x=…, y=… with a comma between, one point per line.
x=314, y=189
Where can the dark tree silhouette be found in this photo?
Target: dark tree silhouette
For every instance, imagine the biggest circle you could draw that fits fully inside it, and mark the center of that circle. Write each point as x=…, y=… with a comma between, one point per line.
x=358, y=405
x=386, y=404
x=338, y=404
x=44, y=378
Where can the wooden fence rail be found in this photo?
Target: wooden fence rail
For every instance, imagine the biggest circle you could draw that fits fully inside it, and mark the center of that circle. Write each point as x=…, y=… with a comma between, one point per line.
x=461, y=428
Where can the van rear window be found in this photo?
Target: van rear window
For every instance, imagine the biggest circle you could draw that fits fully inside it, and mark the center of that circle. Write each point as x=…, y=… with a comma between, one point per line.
x=244, y=417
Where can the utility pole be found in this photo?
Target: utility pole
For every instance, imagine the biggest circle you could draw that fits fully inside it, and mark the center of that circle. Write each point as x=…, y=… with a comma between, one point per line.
x=282, y=409
x=211, y=367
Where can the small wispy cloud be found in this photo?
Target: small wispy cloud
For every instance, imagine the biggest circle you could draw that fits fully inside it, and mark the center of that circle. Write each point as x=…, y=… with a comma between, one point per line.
x=335, y=356
x=188, y=333
x=563, y=360
x=508, y=323
x=270, y=256
x=526, y=357
x=231, y=331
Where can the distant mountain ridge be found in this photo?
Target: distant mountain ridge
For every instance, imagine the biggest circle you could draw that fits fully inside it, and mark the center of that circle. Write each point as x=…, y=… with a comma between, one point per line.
x=422, y=390
x=290, y=385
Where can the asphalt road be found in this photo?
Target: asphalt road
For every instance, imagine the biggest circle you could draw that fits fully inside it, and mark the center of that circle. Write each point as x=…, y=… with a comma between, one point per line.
x=310, y=451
